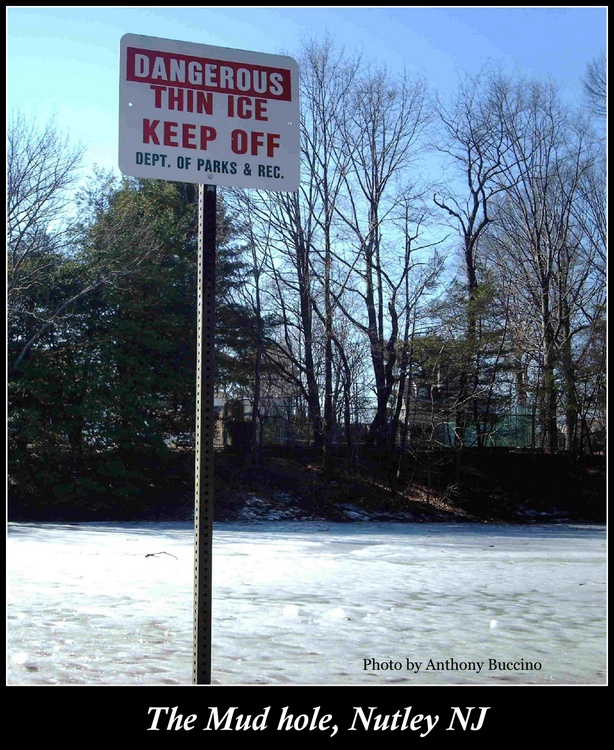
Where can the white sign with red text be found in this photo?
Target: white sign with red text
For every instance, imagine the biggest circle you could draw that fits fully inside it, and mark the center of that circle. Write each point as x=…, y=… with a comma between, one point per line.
x=208, y=115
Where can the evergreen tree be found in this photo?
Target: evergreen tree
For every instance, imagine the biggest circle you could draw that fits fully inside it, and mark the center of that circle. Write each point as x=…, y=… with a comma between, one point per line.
x=110, y=386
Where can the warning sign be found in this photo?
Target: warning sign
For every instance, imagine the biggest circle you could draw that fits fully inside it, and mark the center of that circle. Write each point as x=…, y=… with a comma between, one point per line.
x=208, y=115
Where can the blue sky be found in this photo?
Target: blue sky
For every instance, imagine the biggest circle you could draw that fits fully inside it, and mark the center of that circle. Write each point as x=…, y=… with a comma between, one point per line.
x=64, y=61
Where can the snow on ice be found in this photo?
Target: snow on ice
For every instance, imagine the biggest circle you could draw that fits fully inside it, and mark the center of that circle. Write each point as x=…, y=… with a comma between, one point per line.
x=309, y=603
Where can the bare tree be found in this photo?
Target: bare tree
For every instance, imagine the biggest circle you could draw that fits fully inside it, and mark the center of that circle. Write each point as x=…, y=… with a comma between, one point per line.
x=475, y=142
x=42, y=168
x=590, y=211
x=282, y=235
x=596, y=86
x=545, y=247
x=420, y=276
x=326, y=81
x=300, y=234
x=384, y=121
x=46, y=223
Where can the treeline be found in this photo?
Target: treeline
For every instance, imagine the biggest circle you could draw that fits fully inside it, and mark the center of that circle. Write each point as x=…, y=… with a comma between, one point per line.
x=438, y=280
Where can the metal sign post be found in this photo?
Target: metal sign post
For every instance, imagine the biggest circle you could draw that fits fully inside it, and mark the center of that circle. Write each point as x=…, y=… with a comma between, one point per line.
x=210, y=116
x=205, y=428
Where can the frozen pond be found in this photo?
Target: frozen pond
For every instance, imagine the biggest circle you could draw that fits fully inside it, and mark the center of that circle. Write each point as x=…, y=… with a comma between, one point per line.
x=309, y=604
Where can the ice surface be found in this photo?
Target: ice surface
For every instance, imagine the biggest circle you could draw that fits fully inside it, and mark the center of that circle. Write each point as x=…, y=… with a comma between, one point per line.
x=308, y=603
